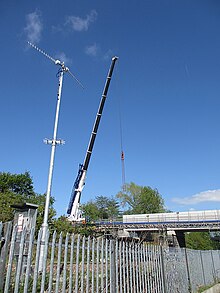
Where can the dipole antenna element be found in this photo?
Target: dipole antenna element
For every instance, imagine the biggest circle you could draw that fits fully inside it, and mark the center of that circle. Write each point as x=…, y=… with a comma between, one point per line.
x=53, y=142
x=57, y=62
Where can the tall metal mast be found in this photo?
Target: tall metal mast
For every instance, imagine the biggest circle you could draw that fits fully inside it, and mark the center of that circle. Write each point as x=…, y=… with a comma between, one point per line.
x=73, y=208
x=54, y=141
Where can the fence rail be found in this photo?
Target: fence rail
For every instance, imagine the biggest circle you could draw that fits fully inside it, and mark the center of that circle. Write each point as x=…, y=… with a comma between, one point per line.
x=74, y=263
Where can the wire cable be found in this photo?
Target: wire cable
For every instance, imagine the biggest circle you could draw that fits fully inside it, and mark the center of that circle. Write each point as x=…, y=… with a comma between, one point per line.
x=121, y=140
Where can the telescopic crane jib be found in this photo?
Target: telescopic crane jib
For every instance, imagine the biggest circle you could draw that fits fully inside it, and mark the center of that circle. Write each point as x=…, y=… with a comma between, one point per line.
x=74, y=214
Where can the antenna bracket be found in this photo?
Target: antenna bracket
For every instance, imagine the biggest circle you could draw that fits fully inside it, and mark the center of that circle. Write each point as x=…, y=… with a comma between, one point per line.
x=54, y=141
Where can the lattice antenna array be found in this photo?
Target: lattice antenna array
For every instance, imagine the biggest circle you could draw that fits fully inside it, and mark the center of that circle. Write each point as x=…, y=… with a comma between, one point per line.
x=42, y=52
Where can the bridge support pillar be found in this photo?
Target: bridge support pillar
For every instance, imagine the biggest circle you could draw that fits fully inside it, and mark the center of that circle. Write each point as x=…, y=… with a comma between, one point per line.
x=180, y=236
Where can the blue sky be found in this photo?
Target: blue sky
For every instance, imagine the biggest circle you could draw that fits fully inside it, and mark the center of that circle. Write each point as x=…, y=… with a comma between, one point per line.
x=166, y=80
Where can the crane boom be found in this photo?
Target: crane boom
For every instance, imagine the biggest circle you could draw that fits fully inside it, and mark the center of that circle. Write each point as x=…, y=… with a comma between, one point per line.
x=73, y=209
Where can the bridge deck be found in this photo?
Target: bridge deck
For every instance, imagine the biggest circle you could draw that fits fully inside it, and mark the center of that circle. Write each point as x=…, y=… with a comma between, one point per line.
x=154, y=226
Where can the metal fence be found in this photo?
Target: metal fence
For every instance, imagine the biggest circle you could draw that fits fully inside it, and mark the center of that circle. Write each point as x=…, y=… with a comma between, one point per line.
x=73, y=263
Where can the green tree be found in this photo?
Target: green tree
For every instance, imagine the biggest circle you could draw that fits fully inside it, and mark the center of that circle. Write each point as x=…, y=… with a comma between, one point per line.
x=108, y=207
x=90, y=210
x=101, y=208
x=63, y=225
x=6, y=200
x=141, y=199
x=200, y=241
x=18, y=188
x=113, y=208
x=40, y=200
x=14, y=189
x=20, y=184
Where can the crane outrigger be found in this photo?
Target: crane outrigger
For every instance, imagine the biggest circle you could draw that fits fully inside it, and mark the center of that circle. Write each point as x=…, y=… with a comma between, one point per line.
x=73, y=211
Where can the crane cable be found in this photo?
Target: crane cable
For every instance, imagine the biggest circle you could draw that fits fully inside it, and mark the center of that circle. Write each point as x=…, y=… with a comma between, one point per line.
x=122, y=155
x=121, y=140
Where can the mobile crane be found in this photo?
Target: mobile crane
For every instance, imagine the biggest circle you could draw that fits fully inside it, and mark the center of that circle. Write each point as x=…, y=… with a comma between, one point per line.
x=73, y=211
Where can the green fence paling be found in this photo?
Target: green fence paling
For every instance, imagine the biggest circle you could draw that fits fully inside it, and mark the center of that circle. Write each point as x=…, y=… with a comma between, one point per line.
x=75, y=263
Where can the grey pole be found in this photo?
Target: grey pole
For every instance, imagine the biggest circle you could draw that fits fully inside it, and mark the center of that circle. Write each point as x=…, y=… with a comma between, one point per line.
x=187, y=270
x=202, y=265
x=53, y=143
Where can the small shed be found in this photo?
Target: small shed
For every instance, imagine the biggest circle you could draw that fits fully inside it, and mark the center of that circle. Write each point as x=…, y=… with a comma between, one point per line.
x=25, y=216
x=25, y=219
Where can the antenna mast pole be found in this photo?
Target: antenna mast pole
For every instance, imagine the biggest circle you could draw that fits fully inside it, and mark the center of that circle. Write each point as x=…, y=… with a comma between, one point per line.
x=53, y=143
x=63, y=69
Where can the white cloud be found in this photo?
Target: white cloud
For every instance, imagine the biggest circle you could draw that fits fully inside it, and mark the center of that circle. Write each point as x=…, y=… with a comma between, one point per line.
x=92, y=50
x=204, y=196
x=33, y=27
x=63, y=58
x=81, y=24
